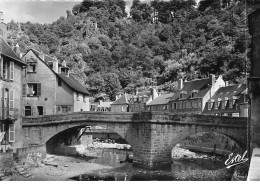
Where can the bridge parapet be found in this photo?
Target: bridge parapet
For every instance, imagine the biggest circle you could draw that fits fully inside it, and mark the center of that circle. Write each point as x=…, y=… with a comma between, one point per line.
x=148, y=117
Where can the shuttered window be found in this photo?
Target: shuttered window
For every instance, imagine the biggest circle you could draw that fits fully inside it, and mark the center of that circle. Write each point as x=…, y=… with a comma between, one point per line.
x=39, y=90
x=24, y=90
x=1, y=66
x=11, y=70
x=11, y=133
x=11, y=102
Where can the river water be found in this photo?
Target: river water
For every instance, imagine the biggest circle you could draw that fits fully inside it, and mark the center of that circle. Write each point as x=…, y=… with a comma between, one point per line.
x=180, y=169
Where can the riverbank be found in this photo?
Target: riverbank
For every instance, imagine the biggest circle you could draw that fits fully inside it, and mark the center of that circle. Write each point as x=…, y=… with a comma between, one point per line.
x=58, y=168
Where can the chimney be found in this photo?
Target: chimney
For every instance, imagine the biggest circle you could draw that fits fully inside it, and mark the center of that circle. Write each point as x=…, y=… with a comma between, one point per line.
x=17, y=50
x=154, y=93
x=213, y=79
x=226, y=83
x=55, y=65
x=180, y=84
x=64, y=63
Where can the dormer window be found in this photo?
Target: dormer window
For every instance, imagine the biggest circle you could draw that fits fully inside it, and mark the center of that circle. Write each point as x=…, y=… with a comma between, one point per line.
x=31, y=65
x=209, y=105
x=64, y=70
x=194, y=93
x=181, y=96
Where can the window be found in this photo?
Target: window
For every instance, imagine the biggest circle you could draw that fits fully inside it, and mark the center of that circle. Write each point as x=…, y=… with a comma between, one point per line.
x=77, y=97
x=59, y=82
x=11, y=70
x=194, y=104
x=165, y=107
x=11, y=133
x=230, y=103
x=33, y=89
x=31, y=68
x=65, y=71
x=194, y=93
x=216, y=105
x=209, y=105
x=40, y=110
x=5, y=69
x=199, y=103
x=122, y=109
x=27, y=110
x=223, y=104
x=181, y=96
x=174, y=106
x=180, y=105
x=185, y=105
x=63, y=109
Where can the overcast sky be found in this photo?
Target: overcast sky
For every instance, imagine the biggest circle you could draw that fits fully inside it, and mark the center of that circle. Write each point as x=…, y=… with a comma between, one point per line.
x=42, y=11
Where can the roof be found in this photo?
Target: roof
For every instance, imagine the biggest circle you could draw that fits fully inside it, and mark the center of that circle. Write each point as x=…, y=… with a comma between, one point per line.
x=141, y=94
x=47, y=58
x=161, y=99
x=124, y=99
x=69, y=80
x=202, y=85
x=6, y=50
x=73, y=83
x=229, y=91
x=105, y=104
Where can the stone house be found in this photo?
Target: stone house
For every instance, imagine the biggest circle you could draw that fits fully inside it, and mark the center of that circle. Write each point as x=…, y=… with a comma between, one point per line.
x=50, y=88
x=121, y=104
x=11, y=72
x=139, y=101
x=230, y=100
x=193, y=95
x=103, y=106
x=161, y=103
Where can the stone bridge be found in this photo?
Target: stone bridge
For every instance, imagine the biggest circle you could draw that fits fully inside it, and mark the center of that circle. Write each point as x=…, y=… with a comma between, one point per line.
x=152, y=135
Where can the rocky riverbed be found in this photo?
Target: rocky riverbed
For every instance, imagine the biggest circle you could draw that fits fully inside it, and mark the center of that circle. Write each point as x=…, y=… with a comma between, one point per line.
x=54, y=168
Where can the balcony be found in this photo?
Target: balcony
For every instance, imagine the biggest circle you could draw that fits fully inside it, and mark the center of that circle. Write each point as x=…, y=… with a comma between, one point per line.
x=11, y=113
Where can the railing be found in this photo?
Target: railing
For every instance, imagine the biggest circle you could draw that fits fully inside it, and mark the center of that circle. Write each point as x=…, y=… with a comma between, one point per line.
x=12, y=113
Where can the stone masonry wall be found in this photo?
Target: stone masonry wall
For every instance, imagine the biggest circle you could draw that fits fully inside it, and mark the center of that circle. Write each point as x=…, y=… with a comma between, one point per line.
x=6, y=161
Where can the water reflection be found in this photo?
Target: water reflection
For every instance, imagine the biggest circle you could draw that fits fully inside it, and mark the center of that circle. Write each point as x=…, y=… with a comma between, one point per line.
x=124, y=171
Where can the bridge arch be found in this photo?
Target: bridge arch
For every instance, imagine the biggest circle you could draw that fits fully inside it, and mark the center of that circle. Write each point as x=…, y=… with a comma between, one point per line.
x=212, y=142
x=69, y=134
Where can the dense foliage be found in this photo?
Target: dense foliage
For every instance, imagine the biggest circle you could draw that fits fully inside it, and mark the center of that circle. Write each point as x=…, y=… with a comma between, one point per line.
x=158, y=44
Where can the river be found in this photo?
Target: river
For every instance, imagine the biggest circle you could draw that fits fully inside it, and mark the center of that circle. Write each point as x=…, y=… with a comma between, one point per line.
x=183, y=169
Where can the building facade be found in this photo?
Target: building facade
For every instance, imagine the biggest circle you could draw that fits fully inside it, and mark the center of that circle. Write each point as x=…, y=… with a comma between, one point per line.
x=49, y=88
x=193, y=95
x=11, y=69
x=139, y=101
x=228, y=101
x=161, y=103
x=121, y=104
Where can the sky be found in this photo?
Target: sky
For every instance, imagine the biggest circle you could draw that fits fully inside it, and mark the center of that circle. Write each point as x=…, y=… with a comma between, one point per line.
x=41, y=11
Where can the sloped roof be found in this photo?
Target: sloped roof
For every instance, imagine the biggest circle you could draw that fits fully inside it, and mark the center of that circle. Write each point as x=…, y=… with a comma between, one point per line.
x=124, y=99
x=47, y=58
x=105, y=104
x=161, y=99
x=229, y=91
x=202, y=85
x=141, y=94
x=70, y=81
x=73, y=83
x=6, y=50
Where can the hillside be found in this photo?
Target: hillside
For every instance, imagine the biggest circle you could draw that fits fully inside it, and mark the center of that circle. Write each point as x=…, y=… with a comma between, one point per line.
x=160, y=43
